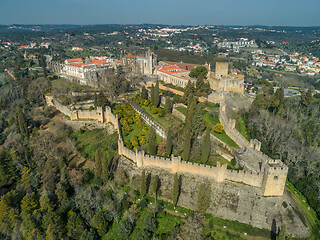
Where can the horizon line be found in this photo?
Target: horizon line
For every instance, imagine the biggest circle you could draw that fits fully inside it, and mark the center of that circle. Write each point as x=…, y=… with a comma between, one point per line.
x=137, y=24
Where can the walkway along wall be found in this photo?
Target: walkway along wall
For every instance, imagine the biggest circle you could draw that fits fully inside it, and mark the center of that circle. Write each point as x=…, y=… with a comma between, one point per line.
x=271, y=179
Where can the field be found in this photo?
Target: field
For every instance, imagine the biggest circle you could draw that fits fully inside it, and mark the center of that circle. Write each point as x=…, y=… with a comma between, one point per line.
x=241, y=126
x=89, y=141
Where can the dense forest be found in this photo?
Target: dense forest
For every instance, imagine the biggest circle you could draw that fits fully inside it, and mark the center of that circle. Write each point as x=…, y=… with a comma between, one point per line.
x=289, y=130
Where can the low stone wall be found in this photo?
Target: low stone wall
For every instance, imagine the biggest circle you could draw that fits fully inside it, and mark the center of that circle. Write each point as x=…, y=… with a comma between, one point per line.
x=181, y=93
x=178, y=114
x=160, y=130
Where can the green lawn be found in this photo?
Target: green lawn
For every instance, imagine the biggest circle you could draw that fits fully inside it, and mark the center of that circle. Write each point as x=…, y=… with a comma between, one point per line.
x=235, y=227
x=182, y=110
x=208, y=117
x=89, y=141
x=303, y=204
x=167, y=223
x=242, y=127
x=161, y=120
x=225, y=138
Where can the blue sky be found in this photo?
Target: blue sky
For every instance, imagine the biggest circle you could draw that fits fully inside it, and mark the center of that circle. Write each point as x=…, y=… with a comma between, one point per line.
x=186, y=12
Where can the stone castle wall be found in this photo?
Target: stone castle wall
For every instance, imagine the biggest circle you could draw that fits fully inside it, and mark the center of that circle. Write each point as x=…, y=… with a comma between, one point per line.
x=219, y=173
x=271, y=178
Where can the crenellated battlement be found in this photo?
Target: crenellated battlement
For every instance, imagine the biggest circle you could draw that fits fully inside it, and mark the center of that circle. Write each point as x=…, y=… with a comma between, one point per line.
x=271, y=177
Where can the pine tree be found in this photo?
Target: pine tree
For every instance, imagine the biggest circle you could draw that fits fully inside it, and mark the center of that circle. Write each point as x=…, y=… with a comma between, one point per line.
x=303, y=98
x=156, y=95
x=169, y=142
x=152, y=95
x=206, y=146
x=204, y=197
x=143, y=184
x=98, y=165
x=282, y=234
x=21, y=122
x=155, y=184
x=152, y=142
x=168, y=105
x=175, y=189
x=144, y=93
x=309, y=97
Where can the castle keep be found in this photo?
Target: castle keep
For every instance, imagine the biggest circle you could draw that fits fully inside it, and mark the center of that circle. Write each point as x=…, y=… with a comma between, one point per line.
x=222, y=81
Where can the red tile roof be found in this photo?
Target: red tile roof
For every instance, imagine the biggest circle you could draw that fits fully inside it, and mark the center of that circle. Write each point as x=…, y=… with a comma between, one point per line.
x=130, y=56
x=171, y=69
x=72, y=60
x=98, y=62
x=190, y=66
x=83, y=64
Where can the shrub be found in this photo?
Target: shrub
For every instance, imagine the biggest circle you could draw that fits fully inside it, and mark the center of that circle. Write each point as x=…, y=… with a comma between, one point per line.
x=161, y=112
x=154, y=109
x=218, y=128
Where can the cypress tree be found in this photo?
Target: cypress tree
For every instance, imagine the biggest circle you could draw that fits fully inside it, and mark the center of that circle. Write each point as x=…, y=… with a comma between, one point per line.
x=175, y=189
x=152, y=95
x=105, y=167
x=169, y=142
x=197, y=123
x=282, y=234
x=204, y=197
x=187, y=146
x=152, y=142
x=303, y=98
x=95, y=99
x=143, y=184
x=155, y=184
x=156, y=95
x=206, y=146
x=144, y=93
x=43, y=64
x=188, y=90
x=188, y=128
x=168, y=105
x=98, y=165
